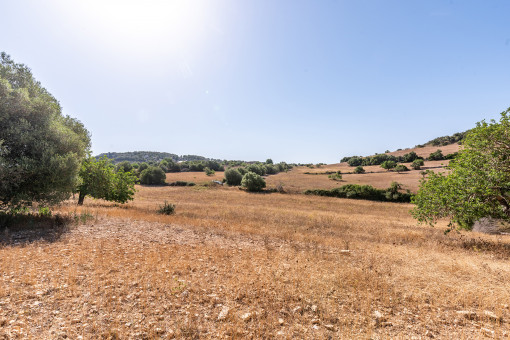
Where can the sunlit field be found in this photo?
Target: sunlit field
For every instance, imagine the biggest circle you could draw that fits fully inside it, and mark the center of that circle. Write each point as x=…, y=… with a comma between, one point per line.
x=232, y=264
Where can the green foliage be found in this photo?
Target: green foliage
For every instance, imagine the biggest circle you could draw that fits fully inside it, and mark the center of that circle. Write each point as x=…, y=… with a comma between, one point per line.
x=478, y=184
x=446, y=140
x=401, y=168
x=337, y=176
x=359, y=170
x=256, y=168
x=269, y=161
x=253, y=182
x=143, y=166
x=153, y=175
x=125, y=166
x=417, y=164
x=209, y=172
x=182, y=184
x=388, y=165
x=365, y=192
x=99, y=179
x=409, y=157
x=166, y=209
x=436, y=156
x=40, y=148
x=233, y=177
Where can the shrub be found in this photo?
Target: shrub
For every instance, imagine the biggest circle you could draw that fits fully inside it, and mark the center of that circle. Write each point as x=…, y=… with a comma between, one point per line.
x=153, y=175
x=436, y=156
x=255, y=168
x=417, y=164
x=388, y=165
x=209, y=172
x=166, y=209
x=401, y=168
x=253, y=182
x=125, y=166
x=233, y=177
x=242, y=171
x=359, y=170
x=337, y=176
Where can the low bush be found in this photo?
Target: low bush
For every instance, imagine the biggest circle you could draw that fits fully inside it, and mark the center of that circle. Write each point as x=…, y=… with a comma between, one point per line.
x=337, y=176
x=153, y=175
x=253, y=182
x=417, y=164
x=359, y=170
x=181, y=184
x=233, y=177
x=401, y=168
x=166, y=209
x=209, y=172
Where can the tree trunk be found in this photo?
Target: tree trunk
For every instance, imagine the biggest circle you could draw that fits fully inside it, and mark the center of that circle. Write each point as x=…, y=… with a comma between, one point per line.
x=81, y=198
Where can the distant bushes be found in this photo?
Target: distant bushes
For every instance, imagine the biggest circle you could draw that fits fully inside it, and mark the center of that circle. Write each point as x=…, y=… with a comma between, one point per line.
x=153, y=175
x=379, y=159
x=401, y=168
x=253, y=182
x=359, y=170
x=182, y=184
x=337, y=176
x=365, y=192
x=233, y=177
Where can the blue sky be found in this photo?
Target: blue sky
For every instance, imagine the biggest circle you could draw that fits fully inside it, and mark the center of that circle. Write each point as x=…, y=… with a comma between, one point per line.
x=296, y=81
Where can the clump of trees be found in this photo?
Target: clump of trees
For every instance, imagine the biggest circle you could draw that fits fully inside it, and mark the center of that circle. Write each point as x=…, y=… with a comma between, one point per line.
x=379, y=159
x=153, y=175
x=417, y=164
x=41, y=150
x=478, y=184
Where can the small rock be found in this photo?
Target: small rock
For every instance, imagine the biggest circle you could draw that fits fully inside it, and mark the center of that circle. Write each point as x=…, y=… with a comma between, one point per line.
x=315, y=321
x=280, y=321
x=488, y=332
x=329, y=327
x=159, y=331
x=280, y=333
x=246, y=317
x=379, y=318
x=314, y=308
x=345, y=251
x=297, y=309
x=316, y=327
x=223, y=313
x=467, y=314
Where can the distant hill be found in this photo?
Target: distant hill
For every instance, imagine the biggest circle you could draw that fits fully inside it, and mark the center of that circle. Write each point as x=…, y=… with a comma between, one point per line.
x=149, y=156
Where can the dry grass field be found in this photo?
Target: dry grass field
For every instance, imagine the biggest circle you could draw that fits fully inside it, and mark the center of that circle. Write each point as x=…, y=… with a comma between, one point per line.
x=230, y=264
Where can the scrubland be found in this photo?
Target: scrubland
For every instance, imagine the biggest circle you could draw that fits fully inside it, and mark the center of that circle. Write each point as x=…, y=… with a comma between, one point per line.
x=231, y=264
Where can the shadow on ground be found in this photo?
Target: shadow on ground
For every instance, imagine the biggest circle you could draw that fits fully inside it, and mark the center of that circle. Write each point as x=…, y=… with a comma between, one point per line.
x=25, y=229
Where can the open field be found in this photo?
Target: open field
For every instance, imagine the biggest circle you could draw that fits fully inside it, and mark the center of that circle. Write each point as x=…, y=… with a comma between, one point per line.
x=278, y=266
x=297, y=181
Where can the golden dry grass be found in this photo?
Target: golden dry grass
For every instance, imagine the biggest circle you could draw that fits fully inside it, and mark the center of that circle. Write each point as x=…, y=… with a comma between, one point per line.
x=286, y=266
x=296, y=180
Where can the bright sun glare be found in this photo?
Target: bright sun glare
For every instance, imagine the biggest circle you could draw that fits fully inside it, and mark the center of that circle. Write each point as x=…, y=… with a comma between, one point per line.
x=151, y=27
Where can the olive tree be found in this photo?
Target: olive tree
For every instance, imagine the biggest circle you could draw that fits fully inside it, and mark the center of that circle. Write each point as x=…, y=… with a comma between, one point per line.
x=40, y=149
x=99, y=179
x=478, y=184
